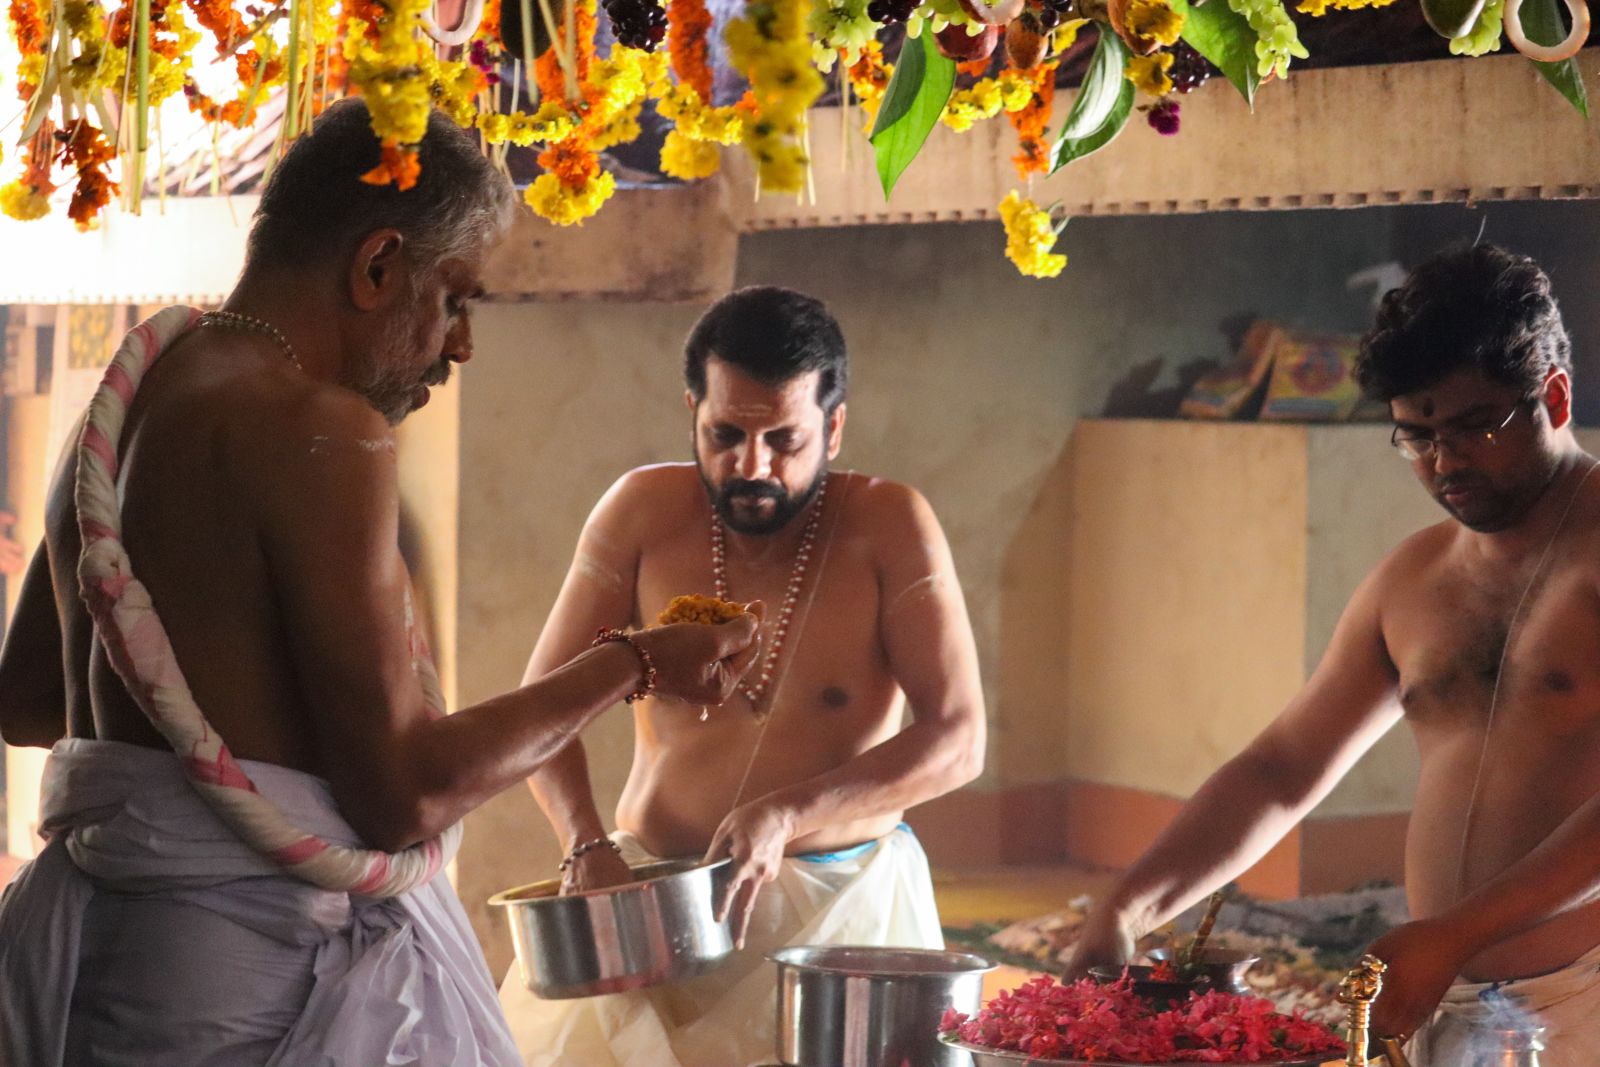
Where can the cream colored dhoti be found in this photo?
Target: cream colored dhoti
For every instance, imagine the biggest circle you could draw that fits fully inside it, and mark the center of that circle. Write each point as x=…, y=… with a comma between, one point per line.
x=877, y=894
x=1564, y=1003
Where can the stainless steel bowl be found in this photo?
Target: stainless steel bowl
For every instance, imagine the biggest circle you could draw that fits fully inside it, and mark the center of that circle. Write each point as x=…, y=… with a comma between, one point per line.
x=661, y=928
x=850, y=1006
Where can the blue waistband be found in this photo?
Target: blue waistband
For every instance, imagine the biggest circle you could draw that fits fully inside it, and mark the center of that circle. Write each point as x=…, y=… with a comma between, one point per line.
x=853, y=852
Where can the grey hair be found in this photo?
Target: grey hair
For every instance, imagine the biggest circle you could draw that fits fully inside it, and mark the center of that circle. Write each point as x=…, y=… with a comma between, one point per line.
x=316, y=204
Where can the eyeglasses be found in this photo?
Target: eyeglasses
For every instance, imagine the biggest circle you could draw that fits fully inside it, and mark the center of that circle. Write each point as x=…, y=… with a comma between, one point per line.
x=1415, y=446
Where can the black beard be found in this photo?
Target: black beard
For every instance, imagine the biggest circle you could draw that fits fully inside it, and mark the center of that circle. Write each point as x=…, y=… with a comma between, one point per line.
x=785, y=510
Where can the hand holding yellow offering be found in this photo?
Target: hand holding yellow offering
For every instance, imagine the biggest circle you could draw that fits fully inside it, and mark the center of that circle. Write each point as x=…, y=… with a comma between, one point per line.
x=702, y=609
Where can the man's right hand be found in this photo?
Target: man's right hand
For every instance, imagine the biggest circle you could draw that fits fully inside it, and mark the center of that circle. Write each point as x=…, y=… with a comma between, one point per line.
x=599, y=868
x=1104, y=942
x=701, y=664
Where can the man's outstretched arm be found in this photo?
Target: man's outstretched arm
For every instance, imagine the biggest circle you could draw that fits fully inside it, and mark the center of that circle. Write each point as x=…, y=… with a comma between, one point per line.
x=329, y=519
x=1257, y=797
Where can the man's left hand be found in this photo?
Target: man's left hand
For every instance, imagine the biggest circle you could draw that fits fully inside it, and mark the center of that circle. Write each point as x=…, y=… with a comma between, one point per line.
x=1423, y=958
x=754, y=835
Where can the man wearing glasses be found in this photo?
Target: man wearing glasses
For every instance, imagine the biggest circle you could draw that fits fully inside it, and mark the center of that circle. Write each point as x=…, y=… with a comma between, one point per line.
x=1483, y=633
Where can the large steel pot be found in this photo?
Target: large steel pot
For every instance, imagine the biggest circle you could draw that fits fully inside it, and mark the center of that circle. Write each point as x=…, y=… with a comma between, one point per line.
x=850, y=1006
x=661, y=928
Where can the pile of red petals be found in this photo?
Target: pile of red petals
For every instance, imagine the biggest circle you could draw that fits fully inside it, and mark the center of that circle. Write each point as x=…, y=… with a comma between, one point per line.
x=1088, y=1020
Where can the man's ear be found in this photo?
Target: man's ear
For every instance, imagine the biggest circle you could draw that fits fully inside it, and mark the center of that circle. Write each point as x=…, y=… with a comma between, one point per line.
x=836, y=431
x=1557, y=398
x=377, y=272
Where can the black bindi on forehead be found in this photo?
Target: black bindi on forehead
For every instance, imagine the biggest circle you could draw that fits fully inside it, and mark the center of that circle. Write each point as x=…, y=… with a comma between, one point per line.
x=1428, y=408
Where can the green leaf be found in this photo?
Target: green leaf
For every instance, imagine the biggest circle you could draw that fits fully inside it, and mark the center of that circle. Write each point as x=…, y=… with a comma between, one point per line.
x=1224, y=37
x=1541, y=21
x=918, y=90
x=1101, y=110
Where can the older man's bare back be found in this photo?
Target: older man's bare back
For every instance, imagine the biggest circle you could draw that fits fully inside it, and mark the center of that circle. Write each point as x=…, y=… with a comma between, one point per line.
x=1445, y=607
x=833, y=695
x=217, y=441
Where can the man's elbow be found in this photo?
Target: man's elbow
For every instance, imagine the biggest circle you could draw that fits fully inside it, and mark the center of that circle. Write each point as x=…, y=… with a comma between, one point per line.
x=26, y=727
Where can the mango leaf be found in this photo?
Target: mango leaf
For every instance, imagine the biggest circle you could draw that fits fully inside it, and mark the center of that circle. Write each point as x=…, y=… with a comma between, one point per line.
x=1541, y=21
x=1224, y=37
x=918, y=90
x=1101, y=110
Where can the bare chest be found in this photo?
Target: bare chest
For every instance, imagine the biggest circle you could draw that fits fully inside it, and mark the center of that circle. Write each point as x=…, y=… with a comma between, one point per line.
x=821, y=650
x=1457, y=651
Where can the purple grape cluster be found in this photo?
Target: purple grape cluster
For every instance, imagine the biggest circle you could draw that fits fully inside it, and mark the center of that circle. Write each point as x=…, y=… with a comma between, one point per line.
x=638, y=24
x=1190, y=69
x=889, y=12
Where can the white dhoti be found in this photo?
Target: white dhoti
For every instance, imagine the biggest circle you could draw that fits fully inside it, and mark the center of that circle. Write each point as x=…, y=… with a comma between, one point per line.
x=1563, y=1006
x=876, y=894
x=148, y=933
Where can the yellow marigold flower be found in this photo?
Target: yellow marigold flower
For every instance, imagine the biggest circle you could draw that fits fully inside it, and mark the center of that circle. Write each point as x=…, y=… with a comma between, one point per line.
x=23, y=202
x=1016, y=90
x=1153, y=20
x=1149, y=73
x=687, y=159
x=705, y=610
x=563, y=205
x=622, y=128
x=969, y=106
x=1030, y=236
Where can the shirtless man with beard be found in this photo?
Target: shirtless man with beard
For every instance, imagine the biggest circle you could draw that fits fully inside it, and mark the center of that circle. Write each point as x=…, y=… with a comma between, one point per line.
x=803, y=776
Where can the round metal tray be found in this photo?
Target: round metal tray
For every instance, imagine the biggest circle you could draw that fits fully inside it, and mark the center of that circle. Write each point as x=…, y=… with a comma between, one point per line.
x=988, y=1057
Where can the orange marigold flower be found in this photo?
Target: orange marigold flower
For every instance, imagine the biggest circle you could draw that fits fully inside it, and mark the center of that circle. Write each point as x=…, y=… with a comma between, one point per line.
x=547, y=70
x=1032, y=122
x=688, y=24
x=396, y=164
x=974, y=68
x=572, y=161
x=707, y=610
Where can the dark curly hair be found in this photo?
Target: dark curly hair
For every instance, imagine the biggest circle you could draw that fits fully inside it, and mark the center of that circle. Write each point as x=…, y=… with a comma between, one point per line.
x=1469, y=306
x=774, y=335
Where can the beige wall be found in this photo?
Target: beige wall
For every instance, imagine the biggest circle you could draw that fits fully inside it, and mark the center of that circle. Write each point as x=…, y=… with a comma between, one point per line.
x=1186, y=609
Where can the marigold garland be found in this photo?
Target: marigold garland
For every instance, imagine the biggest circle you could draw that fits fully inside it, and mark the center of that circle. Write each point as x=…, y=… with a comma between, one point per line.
x=28, y=197
x=688, y=25
x=30, y=28
x=769, y=44
x=586, y=103
x=1030, y=236
x=1033, y=120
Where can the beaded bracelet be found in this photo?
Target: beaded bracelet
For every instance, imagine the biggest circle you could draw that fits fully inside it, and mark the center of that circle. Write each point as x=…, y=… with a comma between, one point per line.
x=584, y=847
x=609, y=633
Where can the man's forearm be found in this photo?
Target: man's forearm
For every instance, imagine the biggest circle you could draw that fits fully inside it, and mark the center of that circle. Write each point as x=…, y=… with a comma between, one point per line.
x=449, y=766
x=923, y=761
x=562, y=789
x=1560, y=875
x=1229, y=824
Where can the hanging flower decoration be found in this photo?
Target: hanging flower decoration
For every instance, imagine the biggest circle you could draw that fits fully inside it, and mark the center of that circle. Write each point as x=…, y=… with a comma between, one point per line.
x=79, y=56
x=1030, y=237
x=28, y=197
x=769, y=45
x=1032, y=120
